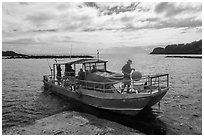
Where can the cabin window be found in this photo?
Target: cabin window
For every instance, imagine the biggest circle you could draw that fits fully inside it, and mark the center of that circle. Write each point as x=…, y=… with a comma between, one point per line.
x=69, y=70
x=99, y=66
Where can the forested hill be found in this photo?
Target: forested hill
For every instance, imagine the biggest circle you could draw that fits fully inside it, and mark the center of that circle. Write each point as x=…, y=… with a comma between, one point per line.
x=12, y=55
x=189, y=48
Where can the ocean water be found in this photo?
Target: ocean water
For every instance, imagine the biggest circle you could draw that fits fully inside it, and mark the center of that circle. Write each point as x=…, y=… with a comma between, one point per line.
x=24, y=100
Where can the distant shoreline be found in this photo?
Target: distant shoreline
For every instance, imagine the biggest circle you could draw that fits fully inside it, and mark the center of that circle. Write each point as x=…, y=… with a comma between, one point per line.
x=45, y=57
x=14, y=55
x=188, y=48
x=196, y=57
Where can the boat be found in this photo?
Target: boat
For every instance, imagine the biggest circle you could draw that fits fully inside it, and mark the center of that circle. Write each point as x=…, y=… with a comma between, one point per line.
x=102, y=88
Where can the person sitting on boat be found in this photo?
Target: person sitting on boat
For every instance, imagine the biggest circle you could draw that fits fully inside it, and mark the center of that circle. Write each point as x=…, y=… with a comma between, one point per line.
x=59, y=73
x=81, y=74
x=94, y=69
x=126, y=70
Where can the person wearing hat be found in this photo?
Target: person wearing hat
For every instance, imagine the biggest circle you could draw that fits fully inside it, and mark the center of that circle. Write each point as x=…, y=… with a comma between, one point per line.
x=126, y=70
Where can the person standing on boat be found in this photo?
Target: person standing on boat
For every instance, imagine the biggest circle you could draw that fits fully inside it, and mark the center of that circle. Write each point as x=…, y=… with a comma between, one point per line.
x=126, y=70
x=59, y=73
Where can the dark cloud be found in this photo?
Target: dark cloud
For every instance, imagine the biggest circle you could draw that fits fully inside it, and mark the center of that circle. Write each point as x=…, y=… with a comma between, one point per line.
x=120, y=9
x=151, y=19
x=91, y=4
x=175, y=23
x=109, y=10
x=92, y=29
x=39, y=18
x=45, y=30
x=161, y=7
x=170, y=8
x=23, y=3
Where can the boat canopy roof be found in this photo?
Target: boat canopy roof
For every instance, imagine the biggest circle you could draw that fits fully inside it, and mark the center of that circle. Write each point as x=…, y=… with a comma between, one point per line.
x=82, y=61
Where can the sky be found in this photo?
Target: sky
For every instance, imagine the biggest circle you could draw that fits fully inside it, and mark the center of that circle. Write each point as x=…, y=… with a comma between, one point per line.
x=84, y=27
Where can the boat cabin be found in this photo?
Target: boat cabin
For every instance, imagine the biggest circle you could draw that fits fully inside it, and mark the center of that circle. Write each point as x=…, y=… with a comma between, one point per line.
x=71, y=68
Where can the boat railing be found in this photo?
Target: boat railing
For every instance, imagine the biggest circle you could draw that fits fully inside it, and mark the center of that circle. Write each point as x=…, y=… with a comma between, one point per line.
x=98, y=86
x=158, y=81
x=147, y=83
x=150, y=82
x=91, y=85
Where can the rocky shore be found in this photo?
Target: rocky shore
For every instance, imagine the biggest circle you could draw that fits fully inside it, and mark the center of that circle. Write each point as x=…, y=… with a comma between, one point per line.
x=72, y=123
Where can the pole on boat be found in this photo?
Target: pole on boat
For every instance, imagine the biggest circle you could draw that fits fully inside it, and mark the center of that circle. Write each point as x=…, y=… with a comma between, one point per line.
x=70, y=52
x=49, y=64
x=97, y=54
x=49, y=67
x=54, y=72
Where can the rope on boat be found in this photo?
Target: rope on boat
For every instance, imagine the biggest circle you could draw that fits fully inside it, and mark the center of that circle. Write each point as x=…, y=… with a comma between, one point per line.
x=49, y=65
x=159, y=105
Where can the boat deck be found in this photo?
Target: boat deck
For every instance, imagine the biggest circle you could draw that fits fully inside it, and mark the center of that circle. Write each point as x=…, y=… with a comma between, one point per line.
x=147, y=84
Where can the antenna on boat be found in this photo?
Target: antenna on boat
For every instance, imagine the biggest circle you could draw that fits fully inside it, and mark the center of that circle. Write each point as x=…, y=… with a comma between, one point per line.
x=70, y=52
x=97, y=54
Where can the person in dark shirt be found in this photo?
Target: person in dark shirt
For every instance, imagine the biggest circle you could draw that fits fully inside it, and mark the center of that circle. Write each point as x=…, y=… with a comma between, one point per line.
x=81, y=74
x=69, y=71
x=94, y=69
x=59, y=73
x=126, y=70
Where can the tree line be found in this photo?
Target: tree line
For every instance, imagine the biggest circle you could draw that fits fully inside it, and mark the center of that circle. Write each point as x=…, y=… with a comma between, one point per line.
x=188, y=48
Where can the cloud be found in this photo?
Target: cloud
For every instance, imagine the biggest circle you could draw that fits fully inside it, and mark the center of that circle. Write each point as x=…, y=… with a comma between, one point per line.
x=119, y=8
x=90, y=16
x=172, y=8
x=95, y=21
x=91, y=4
x=39, y=18
x=161, y=7
x=21, y=41
x=175, y=23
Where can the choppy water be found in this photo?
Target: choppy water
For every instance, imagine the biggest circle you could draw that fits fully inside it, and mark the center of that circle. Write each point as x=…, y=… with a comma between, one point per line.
x=23, y=98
